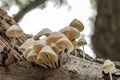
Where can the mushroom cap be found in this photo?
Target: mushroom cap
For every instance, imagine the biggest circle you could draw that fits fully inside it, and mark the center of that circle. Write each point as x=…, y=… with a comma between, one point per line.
x=53, y=37
x=77, y=24
x=42, y=61
x=26, y=44
x=39, y=44
x=45, y=31
x=65, y=42
x=14, y=31
x=31, y=56
x=47, y=53
x=70, y=32
x=75, y=43
x=82, y=41
x=108, y=66
x=54, y=47
x=27, y=50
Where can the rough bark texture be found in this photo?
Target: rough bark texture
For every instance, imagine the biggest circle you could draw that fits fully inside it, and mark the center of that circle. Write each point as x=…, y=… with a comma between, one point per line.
x=5, y=22
x=106, y=38
x=73, y=69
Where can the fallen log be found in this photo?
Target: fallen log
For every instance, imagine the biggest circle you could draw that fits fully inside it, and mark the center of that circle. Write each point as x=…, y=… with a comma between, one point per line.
x=73, y=68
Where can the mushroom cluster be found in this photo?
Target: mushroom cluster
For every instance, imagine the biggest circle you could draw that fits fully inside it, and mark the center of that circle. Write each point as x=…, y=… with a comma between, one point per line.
x=49, y=51
x=75, y=41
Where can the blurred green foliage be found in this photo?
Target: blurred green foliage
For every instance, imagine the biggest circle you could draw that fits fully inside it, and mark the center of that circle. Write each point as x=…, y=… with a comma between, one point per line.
x=27, y=5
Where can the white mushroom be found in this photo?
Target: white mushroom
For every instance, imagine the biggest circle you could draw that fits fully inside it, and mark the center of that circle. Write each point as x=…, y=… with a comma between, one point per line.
x=53, y=37
x=47, y=53
x=29, y=42
x=14, y=31
x=44, y=31
x=82, y=42
x=64, y=43
x=39, y=44
x=42, y=62
x=108, y=66
x=77, y=24
x=55, y=48
x=74, y=42
x=27, y=50
x=71, y=32
x=31, y=56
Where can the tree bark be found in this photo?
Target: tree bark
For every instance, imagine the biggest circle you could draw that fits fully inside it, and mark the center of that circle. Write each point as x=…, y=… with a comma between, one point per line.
x=72, y=69
x=5, y=41
x=5, y=22
x=106, y=39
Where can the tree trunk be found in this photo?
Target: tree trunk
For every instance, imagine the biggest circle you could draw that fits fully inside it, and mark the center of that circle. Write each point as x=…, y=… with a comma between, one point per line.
x=106, y=38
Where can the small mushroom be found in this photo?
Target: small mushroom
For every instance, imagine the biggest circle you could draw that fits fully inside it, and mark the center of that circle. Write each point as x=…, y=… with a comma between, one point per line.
x=64, y=43
x=29, y=42
x=82, y=42
x=27, y=50
x=42, y=62
x=108, y=66
x=31, y=56
x=55, y=48
x=47, y=53
x=53, y=37
x=39, y=44
x=77, y=24
x=44, y=31
x=70, y=32
x=74, y=42
x=14, y=31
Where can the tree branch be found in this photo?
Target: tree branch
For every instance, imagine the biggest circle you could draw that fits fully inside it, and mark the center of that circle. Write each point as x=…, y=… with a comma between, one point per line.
x=27, y=8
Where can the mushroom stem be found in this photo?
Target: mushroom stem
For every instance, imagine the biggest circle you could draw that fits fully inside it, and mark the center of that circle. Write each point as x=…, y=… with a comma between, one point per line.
x=12, y=49
x=44, y=66
x=110, y=76
x=83, y=53
x=13, y=44
x=56, y=62
x=75, y=47
x=61, y=59
x=75, y=52
x=49, y=64
x=53, y=64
